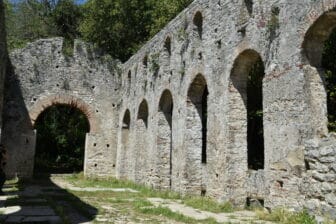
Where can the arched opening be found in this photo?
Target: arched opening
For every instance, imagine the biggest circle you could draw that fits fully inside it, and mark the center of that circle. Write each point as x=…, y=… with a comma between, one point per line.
x=60, y=144
x=246, y=107
x=124, y=152
x=164, y=140
x=143, y=112
x=319, y=50
x=196, y=134
x=198, y=24
x=141, y=148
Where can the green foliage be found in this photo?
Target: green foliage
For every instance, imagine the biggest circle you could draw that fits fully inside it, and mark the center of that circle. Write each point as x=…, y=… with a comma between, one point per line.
x=29, y=20
x=285, y=217
x=208, y=204
x=61, y=134
x=163, y=211
x=329, y=64
x=67, y=16
x=117, y=26
x=122, y=26
x=164, y=11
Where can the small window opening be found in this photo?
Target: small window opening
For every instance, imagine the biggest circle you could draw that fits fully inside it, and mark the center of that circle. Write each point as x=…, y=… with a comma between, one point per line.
x=280, y=183
x=307, y=165
x=198, y=22
x=145, y=61
x=167, y=46
x=129, y=77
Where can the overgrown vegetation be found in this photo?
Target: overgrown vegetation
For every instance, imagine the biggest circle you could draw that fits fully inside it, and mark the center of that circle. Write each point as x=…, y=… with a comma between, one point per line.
x=283, y=216
x=61, y=132
x=207, y=204
x=120, y=27
x=28, y=20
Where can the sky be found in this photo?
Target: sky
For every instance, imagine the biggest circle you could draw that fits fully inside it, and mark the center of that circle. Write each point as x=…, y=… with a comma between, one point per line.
x=80, y=1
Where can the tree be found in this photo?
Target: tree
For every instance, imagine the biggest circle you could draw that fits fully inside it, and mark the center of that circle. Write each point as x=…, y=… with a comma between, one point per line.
x=29, y=20
x=164, y=11
x=122, y=26
x=66, y=17
x=118, y=26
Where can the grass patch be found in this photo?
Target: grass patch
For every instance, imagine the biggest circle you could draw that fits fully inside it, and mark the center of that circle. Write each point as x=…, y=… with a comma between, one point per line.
x=284, y=216
x=81, y=181
x=146, y=207
x=207, y=204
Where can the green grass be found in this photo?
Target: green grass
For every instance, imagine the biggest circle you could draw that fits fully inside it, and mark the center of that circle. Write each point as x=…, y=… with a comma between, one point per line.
x=81, y=181
x=138, y=201
x=207, y=204
x=146, y=207
x=284, y=216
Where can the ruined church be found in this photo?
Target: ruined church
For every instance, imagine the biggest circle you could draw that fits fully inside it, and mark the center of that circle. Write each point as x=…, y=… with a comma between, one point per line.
x=174, y=116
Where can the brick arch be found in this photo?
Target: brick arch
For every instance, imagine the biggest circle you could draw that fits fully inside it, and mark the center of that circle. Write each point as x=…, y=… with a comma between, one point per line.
x=45, y=102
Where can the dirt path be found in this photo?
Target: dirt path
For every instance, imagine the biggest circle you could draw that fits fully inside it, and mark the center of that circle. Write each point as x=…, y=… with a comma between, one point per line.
x=57, y=200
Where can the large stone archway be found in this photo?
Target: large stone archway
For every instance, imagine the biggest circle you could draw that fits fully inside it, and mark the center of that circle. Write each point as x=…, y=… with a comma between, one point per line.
x=63, y=99
x=43, y=106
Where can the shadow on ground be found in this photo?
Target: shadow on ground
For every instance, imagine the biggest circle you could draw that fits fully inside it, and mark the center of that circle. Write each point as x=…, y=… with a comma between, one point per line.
x=41, y=201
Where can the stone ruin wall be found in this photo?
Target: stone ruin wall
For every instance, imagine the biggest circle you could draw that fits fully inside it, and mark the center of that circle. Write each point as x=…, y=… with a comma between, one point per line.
x=3, y=58
x=170, y=69
x=147, y=123
x=43, y=76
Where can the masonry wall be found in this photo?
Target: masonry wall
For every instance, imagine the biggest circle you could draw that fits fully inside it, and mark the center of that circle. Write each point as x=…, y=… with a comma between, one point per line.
x=233, y=35
x=3, y=58
x=42, y=76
